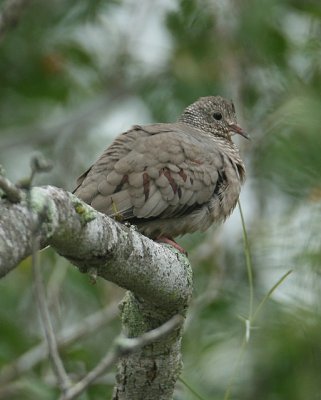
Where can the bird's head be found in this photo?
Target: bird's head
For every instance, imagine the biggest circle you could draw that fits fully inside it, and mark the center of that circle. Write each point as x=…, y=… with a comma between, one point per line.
x=215, y=115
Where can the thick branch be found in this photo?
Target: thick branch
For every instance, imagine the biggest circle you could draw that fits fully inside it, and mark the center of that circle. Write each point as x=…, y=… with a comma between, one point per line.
x=95, y=242
x=123, y=346
x=152, y=372
x=159, y=279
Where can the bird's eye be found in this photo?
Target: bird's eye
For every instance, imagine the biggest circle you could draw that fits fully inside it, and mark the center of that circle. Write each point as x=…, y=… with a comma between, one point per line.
x=217, y=116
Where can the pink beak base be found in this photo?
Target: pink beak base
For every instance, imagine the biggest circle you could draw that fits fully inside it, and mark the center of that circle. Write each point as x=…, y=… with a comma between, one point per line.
x=237, y=129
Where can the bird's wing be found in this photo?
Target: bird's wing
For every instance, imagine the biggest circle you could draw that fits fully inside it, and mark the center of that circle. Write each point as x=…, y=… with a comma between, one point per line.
x=155, y=171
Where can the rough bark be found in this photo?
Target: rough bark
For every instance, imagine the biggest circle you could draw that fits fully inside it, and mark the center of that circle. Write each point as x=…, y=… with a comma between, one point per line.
x=158, y=366
x=159, y=279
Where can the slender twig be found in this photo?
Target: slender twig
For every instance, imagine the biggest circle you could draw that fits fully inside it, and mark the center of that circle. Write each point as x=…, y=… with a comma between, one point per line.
x=252, y=314
x=249, y=267
x=39, y=164
x=10, y=14
x=269, y=293
x=245, y=340
x=68, y=336
x=56, y=362
x=122, y=345
x=189, y=387
x=129, y=345
x=12, y=192
x=235, y=367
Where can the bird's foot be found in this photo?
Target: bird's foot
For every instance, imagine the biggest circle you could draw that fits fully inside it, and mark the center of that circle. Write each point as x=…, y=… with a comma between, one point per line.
x=171, y=242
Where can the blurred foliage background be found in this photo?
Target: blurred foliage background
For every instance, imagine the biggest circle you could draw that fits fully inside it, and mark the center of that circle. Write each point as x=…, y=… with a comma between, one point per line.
x=75, y=74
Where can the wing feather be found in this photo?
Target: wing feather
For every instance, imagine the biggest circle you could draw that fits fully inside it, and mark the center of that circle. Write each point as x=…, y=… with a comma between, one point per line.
x=152, y=172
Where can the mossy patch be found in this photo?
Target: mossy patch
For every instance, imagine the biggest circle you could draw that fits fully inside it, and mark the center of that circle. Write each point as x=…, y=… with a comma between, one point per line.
x=85, y=212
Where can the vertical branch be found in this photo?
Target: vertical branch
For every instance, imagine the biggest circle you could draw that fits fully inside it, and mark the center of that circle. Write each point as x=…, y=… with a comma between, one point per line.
x=151, y=372
x=40, y=164
x=160, y=278
x=121, y=346
x=56, y=362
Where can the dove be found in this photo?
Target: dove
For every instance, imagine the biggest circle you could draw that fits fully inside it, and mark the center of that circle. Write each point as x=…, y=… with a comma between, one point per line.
x=169, y=179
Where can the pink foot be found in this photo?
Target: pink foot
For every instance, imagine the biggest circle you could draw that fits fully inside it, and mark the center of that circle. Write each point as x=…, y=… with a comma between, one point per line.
x=171, y=241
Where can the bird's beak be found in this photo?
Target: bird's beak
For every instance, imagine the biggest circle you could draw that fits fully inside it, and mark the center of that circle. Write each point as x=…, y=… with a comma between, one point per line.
x=237, y=129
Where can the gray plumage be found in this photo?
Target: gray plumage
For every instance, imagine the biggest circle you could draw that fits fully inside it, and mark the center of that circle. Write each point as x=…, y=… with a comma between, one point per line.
x=170, y=179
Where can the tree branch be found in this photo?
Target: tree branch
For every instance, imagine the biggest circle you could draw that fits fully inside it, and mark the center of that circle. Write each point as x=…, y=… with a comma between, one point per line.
x=91, y=240
x=13, y=194
x=160, y=279
x=36, y=354
x=122, y=346
x=56, y=362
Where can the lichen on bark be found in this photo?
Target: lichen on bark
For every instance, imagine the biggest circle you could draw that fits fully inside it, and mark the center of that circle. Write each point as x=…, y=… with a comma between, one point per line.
x=159, y=279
